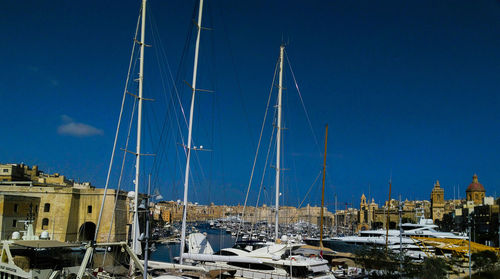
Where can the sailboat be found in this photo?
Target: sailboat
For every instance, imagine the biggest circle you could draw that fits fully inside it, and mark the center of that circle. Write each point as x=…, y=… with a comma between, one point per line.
x=135, y=249
x=279, y=259
x=168, y=270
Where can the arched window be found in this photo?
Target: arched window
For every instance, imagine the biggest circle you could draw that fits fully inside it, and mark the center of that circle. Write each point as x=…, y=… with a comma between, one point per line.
x=45, y=223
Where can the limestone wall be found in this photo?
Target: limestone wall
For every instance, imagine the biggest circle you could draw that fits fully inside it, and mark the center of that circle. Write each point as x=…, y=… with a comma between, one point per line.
x=70, y=214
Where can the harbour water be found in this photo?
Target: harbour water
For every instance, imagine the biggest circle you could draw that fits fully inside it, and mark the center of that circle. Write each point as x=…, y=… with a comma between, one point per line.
x=218, y=238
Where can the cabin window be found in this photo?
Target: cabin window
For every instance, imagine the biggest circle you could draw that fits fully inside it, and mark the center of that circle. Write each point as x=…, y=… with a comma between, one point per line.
x=46, y=207
x=252, y=266
x=45, y=223
x=14, y=223
x=226, y=253
x=15, y=207
x=299, y=271
x=89, y=209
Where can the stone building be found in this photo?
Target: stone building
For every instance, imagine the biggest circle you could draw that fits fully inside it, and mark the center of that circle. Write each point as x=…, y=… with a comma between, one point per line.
x=475, y=192
x=22, y=172
x=366, y=213
x=437, y=202
x=171, y=212
x=14, y=211
x=68, y=211
x=70, y=214
x=18, y=172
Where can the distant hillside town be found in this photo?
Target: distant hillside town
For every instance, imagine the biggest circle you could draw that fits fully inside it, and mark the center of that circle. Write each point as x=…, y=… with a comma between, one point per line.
x=69, y=210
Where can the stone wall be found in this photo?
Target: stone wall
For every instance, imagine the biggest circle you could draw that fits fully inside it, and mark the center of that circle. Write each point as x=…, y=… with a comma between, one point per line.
x=70, y=214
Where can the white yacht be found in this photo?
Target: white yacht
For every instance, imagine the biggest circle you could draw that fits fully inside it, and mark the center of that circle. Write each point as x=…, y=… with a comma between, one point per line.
x=409, y=245
x=424, y=228
x=258, y=260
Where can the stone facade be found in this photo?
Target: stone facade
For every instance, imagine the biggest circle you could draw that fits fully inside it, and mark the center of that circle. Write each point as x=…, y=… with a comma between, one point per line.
x=22, y=172
x=366, y=213
x=70, y=214
x=14, y=210
x=437, y=202
x=171, y=211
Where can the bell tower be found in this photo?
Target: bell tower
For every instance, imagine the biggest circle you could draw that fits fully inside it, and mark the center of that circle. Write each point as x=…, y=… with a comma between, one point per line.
x=364, y=214
x=437, y=202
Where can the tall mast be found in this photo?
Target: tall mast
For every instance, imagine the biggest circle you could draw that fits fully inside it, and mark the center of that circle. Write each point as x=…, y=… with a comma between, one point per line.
x=278, y=145
x=186, y=174
x=135, y=227
x=323, y=193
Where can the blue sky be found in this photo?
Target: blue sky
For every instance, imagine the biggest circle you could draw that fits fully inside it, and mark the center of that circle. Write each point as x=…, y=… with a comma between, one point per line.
x=410, y=90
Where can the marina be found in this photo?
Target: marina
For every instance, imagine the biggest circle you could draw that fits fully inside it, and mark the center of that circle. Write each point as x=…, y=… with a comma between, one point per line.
x=249, y=140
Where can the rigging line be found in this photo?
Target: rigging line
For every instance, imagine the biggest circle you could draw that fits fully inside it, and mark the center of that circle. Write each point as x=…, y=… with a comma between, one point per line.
x=305, y=110
x=162, y=54
x=117, y=131
x=157, y=42
x=212, y=141
x=265, y=167
x=297, y=213
x=220, y=141
x=187, y=45
x=214, y=87
x=121, y=176
x=201, y=173
x=177, y=95
x=159, y=55
x=180, y=103
x=310, y=188
x=302, y=101
x=176, y=80
x=258, y=147
x=288, y=125
x=150, y=132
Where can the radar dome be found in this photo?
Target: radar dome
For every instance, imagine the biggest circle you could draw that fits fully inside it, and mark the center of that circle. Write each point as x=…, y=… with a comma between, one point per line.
x=44, y=235
x=16, y=236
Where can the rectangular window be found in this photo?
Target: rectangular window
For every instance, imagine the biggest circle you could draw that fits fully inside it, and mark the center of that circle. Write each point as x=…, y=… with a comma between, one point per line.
x=5, y=170
x=14, y=223
x=89, y=209
x=15, y=207
x=46, y=207
x=45, y=223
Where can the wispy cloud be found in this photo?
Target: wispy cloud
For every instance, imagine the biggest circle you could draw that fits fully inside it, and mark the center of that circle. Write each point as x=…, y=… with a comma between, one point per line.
x=71, y=128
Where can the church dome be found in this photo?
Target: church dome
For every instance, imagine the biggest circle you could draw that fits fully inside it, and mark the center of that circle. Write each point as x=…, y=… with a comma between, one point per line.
x=475, y=186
